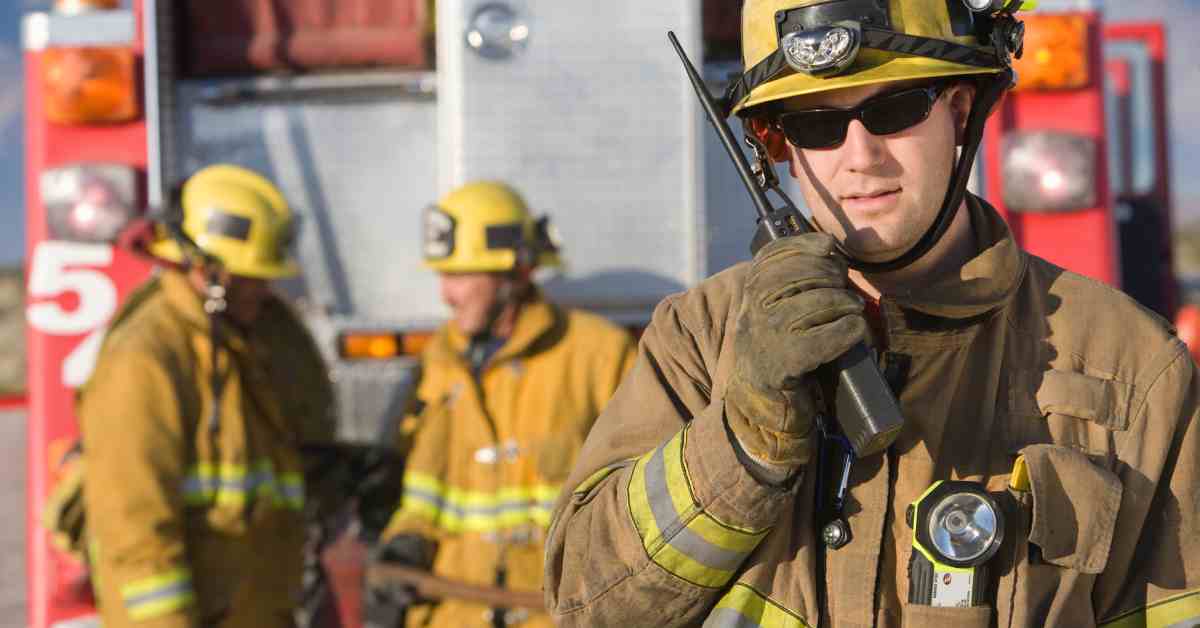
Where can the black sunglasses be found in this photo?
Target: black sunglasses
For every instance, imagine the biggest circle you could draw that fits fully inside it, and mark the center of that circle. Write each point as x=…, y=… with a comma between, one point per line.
x=881, y=115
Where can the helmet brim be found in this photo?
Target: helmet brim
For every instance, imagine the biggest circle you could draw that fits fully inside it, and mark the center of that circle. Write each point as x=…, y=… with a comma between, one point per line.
x=872, y=68
x=170, y=251
x=500, y=263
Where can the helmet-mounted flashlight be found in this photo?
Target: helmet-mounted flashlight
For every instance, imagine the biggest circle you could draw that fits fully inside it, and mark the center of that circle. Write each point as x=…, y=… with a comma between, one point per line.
x=438, y=232
x=957, y=528
x=824, y=39
x=996, y=6
x=824, y=50
x=985, y=6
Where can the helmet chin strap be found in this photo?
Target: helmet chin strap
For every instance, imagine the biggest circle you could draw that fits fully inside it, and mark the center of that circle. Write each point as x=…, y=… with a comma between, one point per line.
x=215, y=304
x=985, y=101
x=477, y=345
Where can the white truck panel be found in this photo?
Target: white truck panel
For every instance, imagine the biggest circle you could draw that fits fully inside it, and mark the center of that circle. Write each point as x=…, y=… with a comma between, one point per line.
x=595, y=123
x=357, y=171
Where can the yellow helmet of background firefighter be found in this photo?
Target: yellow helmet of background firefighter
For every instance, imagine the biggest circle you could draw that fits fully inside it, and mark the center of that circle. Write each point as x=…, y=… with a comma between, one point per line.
x=933, y=19
x=238, y=217
x=485, y=226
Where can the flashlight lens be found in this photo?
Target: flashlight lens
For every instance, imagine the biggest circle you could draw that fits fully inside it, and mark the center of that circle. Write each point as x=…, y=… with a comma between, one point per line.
x=962, y=526
x=980, y=6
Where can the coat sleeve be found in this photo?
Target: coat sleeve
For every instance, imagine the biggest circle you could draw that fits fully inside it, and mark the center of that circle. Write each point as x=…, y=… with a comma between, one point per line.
x=1152, y=577
x=424, y=434
x=659, y=512
x=136, y=451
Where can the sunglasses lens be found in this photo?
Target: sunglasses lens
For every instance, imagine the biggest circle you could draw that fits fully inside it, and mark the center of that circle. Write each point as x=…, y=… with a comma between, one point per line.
x=892, y=114
x=815, y=129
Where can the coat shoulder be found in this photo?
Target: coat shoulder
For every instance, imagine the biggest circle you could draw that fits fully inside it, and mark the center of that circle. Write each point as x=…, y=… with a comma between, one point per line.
x=710, y=305
x=1093, y=327
x=591, y=334
x=153, y=329
x=589, y=325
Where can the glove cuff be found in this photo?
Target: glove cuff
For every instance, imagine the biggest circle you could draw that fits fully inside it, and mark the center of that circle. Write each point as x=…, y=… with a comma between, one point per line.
x=775, y=429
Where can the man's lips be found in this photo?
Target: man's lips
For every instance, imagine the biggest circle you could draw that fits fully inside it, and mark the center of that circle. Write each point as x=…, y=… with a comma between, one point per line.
x=871, y=203
x=855, y=196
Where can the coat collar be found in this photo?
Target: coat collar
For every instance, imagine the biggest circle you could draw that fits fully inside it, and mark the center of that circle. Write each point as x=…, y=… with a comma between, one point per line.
x=984, y=283
x=183, y=299
x=535, y=320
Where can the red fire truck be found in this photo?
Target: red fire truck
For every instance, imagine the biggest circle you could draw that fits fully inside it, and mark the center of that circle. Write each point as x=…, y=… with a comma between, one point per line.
x=1076, y=156
x=80, y=109
x=363, y=114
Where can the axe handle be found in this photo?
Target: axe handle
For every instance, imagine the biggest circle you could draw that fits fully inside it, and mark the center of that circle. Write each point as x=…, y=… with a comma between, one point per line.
x=438, y=588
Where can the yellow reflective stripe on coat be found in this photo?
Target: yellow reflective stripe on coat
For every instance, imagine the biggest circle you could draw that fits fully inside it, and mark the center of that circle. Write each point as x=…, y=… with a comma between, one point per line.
x=743, y=607
x=676, y=532
x=231, y=484
x=596, y=478
x=158, y=595
x=457, y=510
x=1179, y=610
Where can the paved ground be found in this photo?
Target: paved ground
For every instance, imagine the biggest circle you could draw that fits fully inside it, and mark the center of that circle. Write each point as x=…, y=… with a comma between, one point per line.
x=12, y=531
x=12, y=333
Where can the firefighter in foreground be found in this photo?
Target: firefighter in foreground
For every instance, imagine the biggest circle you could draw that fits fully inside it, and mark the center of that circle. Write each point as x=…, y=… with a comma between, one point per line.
x=205, y=389
x=700, y=494
x=509, y=389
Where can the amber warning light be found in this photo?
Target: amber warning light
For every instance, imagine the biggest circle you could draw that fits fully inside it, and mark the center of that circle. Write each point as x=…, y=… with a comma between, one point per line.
x=382, y=345
x=1056, y=53
x=90, y=85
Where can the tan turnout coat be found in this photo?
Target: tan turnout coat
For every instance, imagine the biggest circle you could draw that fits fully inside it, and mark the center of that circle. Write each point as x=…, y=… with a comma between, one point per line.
x=490, y=454
x=191, y=527
x=663, y=526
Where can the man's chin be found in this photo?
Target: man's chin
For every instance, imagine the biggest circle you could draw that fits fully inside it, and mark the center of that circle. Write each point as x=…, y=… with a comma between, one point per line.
x=466, y=327
x=870, y=248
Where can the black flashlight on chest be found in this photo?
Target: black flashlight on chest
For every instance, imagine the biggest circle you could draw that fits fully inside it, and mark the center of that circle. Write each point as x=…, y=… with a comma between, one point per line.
x=957, y=527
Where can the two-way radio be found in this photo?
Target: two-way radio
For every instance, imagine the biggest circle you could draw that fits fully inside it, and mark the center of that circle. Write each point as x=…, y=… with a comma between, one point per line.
x=866, y=409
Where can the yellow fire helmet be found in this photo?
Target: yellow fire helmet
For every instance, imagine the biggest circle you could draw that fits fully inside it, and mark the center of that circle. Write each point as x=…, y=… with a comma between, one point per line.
x=237, y=217
x=796, y=47
x=485, y=226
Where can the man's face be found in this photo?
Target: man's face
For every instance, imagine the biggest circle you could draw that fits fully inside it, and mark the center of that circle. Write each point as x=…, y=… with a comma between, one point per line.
x=246, y=297
x=470, y=297
x=879, y=194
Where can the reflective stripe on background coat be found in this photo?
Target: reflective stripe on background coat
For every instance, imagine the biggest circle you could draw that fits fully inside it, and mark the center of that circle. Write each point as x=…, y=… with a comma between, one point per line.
x=489, y=456
x=189, y=526
x=663, y=525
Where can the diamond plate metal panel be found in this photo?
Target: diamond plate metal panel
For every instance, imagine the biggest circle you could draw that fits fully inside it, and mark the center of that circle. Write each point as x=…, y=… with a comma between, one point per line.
x=371, y=397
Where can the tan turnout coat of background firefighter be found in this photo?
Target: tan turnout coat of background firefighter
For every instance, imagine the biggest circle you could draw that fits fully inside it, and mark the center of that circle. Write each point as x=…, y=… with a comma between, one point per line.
x=490, y=455
x=191, y=527
x=663, y=526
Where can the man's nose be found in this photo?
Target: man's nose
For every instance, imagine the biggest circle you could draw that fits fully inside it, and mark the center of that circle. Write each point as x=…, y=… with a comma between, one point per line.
x=446, y=290
x=862, y=151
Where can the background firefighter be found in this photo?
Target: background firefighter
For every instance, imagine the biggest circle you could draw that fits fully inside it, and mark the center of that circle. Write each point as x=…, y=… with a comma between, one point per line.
x=702, y=491
x=509, y=389
x=206, y=388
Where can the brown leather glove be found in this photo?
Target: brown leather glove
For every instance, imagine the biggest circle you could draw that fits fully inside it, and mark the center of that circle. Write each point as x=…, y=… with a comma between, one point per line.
x=797, y=313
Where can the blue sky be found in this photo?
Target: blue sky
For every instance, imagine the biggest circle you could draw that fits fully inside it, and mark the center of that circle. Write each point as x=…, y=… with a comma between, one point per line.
x=1182, y=16
x=12, y=195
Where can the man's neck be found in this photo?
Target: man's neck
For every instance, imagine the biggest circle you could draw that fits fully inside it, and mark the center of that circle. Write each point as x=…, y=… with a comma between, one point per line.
x=956, y=247
x=507, y=321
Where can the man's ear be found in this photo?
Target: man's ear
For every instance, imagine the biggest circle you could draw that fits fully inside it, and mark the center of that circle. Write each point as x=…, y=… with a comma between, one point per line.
x=962, y=97
x=772, y=138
